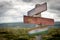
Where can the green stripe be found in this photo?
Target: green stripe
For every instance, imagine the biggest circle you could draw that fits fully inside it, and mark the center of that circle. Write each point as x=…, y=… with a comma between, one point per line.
x=39, y=33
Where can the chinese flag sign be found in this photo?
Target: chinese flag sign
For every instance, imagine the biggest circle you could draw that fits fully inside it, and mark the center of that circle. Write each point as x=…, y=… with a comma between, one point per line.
x=38, y=20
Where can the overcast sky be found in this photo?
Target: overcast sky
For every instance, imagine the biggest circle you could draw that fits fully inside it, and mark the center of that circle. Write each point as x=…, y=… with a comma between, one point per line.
x=13, y=10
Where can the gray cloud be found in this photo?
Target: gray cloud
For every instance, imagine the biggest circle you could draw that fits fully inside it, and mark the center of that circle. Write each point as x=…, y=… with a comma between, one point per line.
x=54, y=4
x=34, y=1
x=54, y=7
x=4, y=6
x=7, y=13
x=27, y=0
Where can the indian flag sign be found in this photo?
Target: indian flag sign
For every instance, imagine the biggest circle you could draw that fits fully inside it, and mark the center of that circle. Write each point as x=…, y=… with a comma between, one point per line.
x=38, y=31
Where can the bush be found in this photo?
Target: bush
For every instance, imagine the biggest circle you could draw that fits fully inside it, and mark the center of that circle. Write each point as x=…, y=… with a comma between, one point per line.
x=53, y=34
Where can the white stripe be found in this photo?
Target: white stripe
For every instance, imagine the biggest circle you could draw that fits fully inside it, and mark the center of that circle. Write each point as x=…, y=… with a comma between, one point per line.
x=37, y=30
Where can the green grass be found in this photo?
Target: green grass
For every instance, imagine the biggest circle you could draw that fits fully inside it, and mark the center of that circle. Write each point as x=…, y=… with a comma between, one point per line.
x=17, y=33
x=39, y=33
x=14, y=33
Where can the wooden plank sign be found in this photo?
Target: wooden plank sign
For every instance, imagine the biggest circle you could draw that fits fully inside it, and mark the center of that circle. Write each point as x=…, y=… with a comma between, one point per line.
x=37, y=10
x=38, y=20
x=38, y=31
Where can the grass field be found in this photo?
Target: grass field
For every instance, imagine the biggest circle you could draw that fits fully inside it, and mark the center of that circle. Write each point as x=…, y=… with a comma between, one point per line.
x=14, y=34
x=22, y=34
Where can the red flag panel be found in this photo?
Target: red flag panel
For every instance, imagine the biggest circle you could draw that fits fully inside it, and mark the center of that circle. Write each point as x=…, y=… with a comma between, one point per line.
x=38, y=20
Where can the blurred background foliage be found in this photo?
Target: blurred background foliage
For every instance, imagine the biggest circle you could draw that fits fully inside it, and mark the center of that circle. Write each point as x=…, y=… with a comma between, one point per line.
x=21, y=34
x=53, y=34
x=15, y=34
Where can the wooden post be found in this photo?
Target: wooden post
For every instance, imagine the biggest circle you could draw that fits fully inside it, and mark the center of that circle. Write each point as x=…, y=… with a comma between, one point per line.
x=39, y=37
x=35, y=13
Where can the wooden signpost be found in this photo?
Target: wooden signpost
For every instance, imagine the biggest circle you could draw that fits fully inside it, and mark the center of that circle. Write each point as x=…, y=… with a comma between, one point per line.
x=38, y=31
x=38, y=20
x=34, y=17
x=38, y=9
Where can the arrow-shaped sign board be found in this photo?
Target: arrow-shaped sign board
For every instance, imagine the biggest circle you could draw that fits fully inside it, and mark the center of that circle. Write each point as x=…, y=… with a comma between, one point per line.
x=38, y=20
x=38, y=31
x=37, y=10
